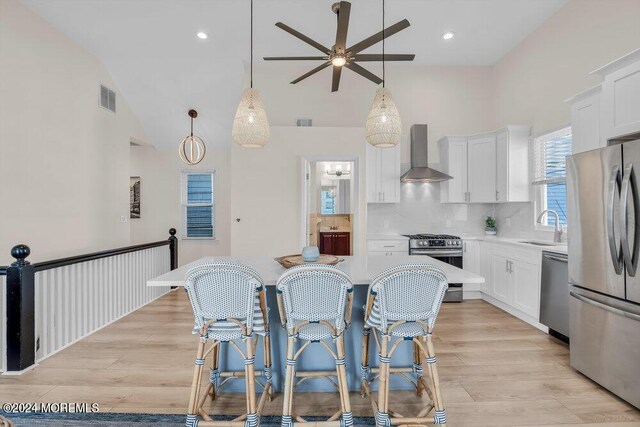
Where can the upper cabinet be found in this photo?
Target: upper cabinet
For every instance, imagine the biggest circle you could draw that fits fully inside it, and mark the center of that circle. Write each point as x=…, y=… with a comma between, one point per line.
x=610, y=110
x=383, y=174
x=486, y=168
x=453, y=159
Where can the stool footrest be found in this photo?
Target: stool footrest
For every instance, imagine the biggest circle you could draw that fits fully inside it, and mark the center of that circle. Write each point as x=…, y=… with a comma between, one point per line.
x=312, y=374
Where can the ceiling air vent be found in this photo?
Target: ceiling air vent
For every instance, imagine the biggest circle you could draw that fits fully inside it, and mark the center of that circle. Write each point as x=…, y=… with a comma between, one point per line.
x=304, y=123
x=107, y=98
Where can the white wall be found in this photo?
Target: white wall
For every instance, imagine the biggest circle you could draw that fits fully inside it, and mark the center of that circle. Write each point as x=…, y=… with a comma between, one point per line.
x=64, y=161
x=160, y=173
x=266, y=186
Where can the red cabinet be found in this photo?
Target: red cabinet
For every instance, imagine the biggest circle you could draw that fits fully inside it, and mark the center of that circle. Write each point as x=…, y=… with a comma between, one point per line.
x=335, y=243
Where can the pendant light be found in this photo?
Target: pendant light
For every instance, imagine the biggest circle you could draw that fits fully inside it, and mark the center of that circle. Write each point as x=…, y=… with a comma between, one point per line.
x=383, y=127
x=192, y=148
x=250, y=124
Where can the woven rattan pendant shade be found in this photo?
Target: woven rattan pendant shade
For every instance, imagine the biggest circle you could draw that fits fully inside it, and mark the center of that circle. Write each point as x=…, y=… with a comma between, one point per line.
x=250, y=125
x=383, y=126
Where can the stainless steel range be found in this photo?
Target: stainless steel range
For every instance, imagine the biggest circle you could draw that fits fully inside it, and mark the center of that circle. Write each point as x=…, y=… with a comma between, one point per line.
x=442, y=247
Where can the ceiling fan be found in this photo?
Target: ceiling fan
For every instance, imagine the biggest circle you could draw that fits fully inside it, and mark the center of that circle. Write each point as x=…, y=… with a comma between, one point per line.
x=340, y=55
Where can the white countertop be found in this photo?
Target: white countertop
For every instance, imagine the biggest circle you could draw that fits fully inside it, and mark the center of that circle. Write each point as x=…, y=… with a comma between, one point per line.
x=362, y=269
x=559, y=248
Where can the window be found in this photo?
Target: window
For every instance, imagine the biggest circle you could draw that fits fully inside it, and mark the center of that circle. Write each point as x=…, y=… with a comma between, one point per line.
x=198, y=205
x=549, y=174
x=327, y=200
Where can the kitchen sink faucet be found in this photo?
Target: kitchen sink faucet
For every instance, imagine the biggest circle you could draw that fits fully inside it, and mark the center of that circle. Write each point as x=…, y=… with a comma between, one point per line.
x=557, y=235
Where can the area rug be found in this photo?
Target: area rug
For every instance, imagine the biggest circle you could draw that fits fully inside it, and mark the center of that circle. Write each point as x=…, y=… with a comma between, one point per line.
x=133, y=420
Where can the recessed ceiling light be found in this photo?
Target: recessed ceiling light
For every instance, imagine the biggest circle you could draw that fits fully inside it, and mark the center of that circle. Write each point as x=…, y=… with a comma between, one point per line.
x=448, y=35
x=201, y=35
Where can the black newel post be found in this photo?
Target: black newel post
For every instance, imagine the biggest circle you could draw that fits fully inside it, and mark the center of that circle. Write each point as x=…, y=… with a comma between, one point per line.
x=21, y=340
x=173, y=248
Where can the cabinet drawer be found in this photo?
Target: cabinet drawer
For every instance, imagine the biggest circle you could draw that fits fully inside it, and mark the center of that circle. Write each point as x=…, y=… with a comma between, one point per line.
x=388, y=246
x=513, y=252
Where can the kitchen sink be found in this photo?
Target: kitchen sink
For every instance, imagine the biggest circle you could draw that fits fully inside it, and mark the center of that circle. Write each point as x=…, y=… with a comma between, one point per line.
x=530, y=242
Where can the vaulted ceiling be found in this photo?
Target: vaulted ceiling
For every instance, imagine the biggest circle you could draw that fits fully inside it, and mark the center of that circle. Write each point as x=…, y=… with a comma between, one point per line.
x=162, y=69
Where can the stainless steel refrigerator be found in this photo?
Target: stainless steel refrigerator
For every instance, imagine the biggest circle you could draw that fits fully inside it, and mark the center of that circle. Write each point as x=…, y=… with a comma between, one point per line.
x=603, y=210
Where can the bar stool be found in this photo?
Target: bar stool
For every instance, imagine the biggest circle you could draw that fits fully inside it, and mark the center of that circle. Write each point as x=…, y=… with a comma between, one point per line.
x=403, y=304
x=229, y=304
x=315, y=304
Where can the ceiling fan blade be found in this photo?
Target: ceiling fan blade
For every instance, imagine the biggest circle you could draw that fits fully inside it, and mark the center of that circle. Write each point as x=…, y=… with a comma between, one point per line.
x=312, y=72
x=370, y=41
x=296, y=58
x=335, y=80
x=363, y=72
x=343, y=25
x=304, y=38
x=387, y=57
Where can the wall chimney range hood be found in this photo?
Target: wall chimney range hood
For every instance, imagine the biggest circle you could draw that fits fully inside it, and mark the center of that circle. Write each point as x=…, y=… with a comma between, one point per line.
x=420, y=170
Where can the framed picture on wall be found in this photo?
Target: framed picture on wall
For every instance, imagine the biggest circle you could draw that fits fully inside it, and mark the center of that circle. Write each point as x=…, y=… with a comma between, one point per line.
x=134, y=197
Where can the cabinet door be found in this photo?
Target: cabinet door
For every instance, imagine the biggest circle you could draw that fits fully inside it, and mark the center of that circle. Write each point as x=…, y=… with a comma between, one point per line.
x=502, y=166
x=482, y=169
x=526, y=287
x=457, y=168
x=390, y=174
x=486, y=268
x=501, y=278
x=326, y=246
x=471, y=256
x=341, y=244
x=585, y=124
x=373, y=177
x=621, y=102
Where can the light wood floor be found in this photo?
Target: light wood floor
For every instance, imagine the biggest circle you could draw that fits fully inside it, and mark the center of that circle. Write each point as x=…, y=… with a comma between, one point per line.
x=494, y=370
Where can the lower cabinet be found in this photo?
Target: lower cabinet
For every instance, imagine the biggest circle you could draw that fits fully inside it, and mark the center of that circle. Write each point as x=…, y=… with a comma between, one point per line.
x=501, y=278
x=526, y=287
x=335, y=243
x=388, y=247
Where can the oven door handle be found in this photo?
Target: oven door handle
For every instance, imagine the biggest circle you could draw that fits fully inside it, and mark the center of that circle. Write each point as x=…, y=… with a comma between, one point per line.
x=457, y=254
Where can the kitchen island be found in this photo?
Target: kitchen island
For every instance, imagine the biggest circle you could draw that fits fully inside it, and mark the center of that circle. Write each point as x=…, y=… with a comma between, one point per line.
x=362, y=270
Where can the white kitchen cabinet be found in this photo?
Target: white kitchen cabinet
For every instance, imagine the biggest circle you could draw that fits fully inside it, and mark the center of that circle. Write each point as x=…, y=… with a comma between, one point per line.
x=585, y=120
x=453, y=159
x=383, y=174
x=501, y=278
x=388, y=247
x=620, y=100
x=471, y=256
x=512, y=164
x=486, y=267
x=525, y=279
x=481, y=176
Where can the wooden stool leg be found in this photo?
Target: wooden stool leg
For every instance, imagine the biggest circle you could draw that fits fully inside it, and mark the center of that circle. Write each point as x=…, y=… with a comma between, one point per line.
x=382, y=416
x=266, y=343
x=345, y=403
x=215, y=372
x=250, y=380
x=365, y=370
x=417, y=368
x=192, y=411
x=287, y=420
x=440, y=416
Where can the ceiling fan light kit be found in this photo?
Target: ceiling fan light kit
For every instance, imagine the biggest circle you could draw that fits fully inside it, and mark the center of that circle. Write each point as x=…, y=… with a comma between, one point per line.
x=250, y=124
x=192, y=148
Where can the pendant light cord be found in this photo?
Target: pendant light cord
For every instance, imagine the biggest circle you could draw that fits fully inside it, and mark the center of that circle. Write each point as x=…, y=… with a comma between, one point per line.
x=191, y=126
x=383, y=67
x=251, y=72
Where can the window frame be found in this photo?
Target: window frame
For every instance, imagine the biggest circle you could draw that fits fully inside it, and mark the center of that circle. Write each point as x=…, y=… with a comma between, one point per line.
x=540, y=190
x=184, y=174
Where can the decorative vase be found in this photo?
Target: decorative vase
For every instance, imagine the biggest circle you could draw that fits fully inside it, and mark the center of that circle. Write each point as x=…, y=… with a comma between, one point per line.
x=490, y=231
x=310, y=253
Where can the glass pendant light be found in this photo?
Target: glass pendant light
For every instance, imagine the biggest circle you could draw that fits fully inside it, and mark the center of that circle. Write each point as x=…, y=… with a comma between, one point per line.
x=383, y=127
x=250, y=124
x=192, y=148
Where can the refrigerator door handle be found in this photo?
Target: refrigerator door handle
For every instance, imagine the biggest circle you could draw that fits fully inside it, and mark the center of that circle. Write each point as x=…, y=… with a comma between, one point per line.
x=614, y=187
x=630, y=256
x=605, y=306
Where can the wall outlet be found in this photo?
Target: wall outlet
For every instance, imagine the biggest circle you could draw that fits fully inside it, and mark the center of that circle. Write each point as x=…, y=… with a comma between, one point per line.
x=124, y=219
x=385, y=224
x=507, y=222
x=448, y=223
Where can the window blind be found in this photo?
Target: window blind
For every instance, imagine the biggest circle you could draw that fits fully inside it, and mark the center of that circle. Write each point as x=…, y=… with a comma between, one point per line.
x=199, y=210
x=549, y=157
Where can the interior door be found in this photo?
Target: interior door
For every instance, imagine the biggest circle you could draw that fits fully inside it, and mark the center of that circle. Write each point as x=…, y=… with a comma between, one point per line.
x=594, y=179
x=482, y=169
x=630, y=218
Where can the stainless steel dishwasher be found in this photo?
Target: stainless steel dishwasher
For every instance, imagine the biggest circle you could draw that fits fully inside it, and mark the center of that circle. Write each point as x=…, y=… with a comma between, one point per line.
x=554, y=294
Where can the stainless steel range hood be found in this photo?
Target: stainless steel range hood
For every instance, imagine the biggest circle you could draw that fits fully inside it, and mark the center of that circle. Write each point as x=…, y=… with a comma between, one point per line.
x=420, y=170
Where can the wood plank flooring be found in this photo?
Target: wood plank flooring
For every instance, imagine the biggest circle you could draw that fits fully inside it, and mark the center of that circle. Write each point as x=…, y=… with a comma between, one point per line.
x=495, y=370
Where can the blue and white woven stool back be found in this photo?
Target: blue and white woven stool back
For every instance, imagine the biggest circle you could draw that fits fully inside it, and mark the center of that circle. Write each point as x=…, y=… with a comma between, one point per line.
x=409, y=292
x=315, y=292
x=222, y=290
